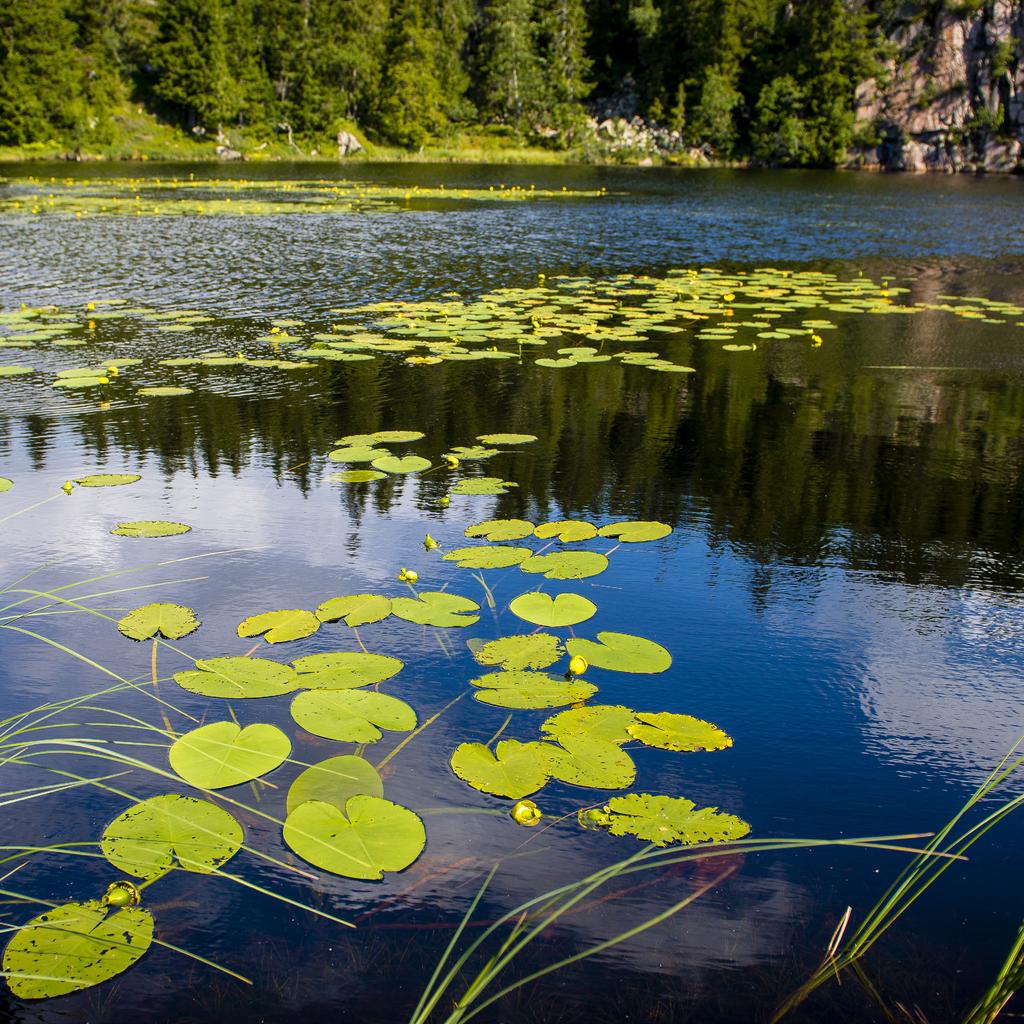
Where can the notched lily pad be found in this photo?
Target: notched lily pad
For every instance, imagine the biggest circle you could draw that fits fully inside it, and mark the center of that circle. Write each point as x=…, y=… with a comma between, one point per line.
x=621, y=652
x=344, y=670
x=436, y=608
x=501, y=529
x=171, y=621
x=515, y=653
x=582, y=760
x=238, y=678
x=544, y=610
x=107, y=479
x=351, y=716
x=506, y=438
x=566, y=530
x=663, y=820
x=483, y=485
x=280, y=626
x=566, y=565
x=394, y=464
x=635, y=531
x=357, y=476
x=334, y=781
x=513, y=770
x=171, y=831
x=523, y=690
x=355, y=609
x=608, y=722
x=668, y=731
x=150, y=528
x=496, y=557
x=223, y=754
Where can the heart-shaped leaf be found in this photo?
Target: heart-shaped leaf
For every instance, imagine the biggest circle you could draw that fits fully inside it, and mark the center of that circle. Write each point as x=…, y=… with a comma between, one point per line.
x=397, y=436
x=591, y=762
x=344, y=670
x=501, y=529
x=635, y=531
x=171, y=621
x=107, y=479
x=530, y=690
x=566, y=565
x=75, y=946
x=355, y=609
x=561, y=610
x=370, y=837
x=483, y=485
x=334, y=781
x=621, y=652
x=357, y=476
x=514, y=653
x=608, y=722
x=223, y=754
x=506, y=438
x=436, y=608
x=149, y=528
x=171, y=831
x=677, y=732
x=351, y=716
x=470, y=453
x=663, y=820
x=497, y=557
x=238, y=678
x=280, y=626
x=357, y=453
x=514, y=769
x=394, y=464
x=566, y=530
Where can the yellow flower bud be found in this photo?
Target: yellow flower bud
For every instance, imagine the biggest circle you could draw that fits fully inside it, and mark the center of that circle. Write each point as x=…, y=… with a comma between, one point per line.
x=122, y=894
x=578, y=665
x=526, y=812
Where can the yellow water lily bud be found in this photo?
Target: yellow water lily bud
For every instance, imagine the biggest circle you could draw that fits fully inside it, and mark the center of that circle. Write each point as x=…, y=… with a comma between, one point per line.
x=104, y=406
x=452, y=461
x=578, y=665
x=112, y=371
x=90, y=306
x=816, y=340
x=429, y=543
x=92, y=325
x=729, y=297
x=526, y=812
x=104, y=380
x=122, y=894
x=444, y=501
x=408, y=575
x=68, y=487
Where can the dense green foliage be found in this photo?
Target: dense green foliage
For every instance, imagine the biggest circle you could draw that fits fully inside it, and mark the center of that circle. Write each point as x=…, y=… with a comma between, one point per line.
x=768, y=79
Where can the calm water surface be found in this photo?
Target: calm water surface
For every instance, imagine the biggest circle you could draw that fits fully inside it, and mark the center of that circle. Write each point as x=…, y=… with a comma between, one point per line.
x=842, y=591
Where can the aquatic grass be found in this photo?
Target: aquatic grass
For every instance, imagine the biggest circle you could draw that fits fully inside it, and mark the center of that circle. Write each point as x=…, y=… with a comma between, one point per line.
x=1008, y=982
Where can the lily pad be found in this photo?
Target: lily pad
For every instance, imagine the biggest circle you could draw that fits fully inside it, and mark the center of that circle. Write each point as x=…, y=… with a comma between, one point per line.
x=524, y=690
x=515, y=653
x=357, y=476
x=506, y=438
x=238, y=678
x=150, y=528
x=280, y=626
x=513, y=770
x=334, y=781
x=357, y=453
x=171, y=831
x=344, y=670
x=483, y=485
x=496, y=557
x=397, y=436
x=663, y=820
x=5, y=484
x=15, y=371
x=566, y=565
x=107, y=479
x=355, y=609
x=608, y=722
x=436, y=608
x=351, y=716
x=167, y=391
x=566, y=530
x=75, y=946
x=561, y=610
x=621, y=652
x=501, y=529
x=394, y=464
x=171, y=621
x=635, y=531
x=677, y=732
x=592, y=762
x=223, y=754
x=470, y=453
x=369, y=837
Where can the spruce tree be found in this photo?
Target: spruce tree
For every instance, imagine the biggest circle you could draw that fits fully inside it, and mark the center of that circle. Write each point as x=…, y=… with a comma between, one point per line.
x=510, y=82
x=566, y=64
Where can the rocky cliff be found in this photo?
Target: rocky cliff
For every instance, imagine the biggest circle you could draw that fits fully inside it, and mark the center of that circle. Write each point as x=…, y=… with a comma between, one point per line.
x=951, y=96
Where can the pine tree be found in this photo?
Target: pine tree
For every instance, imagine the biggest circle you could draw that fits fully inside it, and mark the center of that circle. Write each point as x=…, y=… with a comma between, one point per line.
x=567, y=66
x=510, y=83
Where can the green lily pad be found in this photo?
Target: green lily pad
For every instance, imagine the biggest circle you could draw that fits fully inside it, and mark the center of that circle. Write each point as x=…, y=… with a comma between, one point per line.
x=436, y=608
x=171, y=831
x=591, y=762
x=397, y=436
x=5, y=484
x=566, y=530
x=634, y=531
x=357, y=453
x=663, y=820
x=496, y=557
x=394, y=464
x=79, y=382
x=171, y=621
x=566, y=565
x=351, y=716
x=621, y=652
x=238, y=678
x=280, y=626
x=334, y=781
x=369, y=837
x=107, y=479
x=514, y=770
x=355, y=609
x=150, y=528
x=344, y=670
x=525, y=690
x=515, y=653
x=357, y=476
x=561, y=610
x=223, y=754
x=608, y=722
x=15, y=371
x=506, y=438
x=167, y=391
x=470, y=453
x=483, y=485
x=501, y=529
x=677, y=732
x=75, y=946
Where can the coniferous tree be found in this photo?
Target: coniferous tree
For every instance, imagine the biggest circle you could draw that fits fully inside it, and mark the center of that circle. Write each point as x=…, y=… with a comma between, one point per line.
x=566, y=64
x=511, y=85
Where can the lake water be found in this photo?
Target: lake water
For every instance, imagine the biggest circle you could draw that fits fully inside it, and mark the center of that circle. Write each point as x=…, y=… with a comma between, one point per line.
x=841, y=591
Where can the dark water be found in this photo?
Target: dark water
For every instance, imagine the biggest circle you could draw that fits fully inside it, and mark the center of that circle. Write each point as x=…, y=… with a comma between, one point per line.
x=842, y=591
